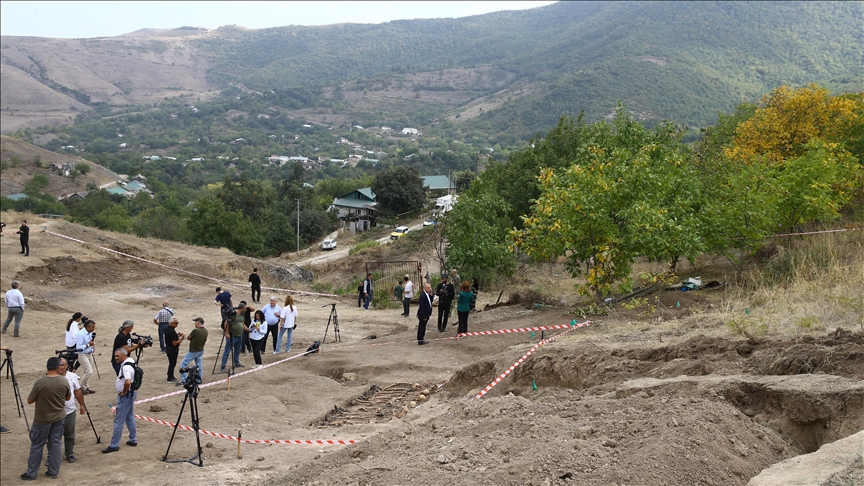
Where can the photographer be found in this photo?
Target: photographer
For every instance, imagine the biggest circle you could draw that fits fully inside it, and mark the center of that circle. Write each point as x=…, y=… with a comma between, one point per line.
x=233, y=325
x=84, y=347
x=197, y=340
x=223, y=300
x=125, y=340
x=49, y=393
x=69, y=424
x=172, y=347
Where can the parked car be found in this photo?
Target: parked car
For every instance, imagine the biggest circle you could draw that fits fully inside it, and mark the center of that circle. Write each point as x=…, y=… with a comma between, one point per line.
x=399, y=232
x=328, y=244
x=430, y=222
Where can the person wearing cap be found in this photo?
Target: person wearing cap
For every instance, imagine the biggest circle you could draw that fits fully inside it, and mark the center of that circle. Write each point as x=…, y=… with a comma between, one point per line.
x=197, y=339
x=234, y=336
x=124, y=340
x=445, y=292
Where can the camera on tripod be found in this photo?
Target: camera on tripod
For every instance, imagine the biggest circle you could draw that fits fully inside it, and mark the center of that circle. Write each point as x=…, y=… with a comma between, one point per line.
x=146, y=341
x=193, y=377
x=69, y=355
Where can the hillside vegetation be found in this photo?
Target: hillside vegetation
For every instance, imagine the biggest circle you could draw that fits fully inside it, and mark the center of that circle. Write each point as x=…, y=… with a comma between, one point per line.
x=682, y=62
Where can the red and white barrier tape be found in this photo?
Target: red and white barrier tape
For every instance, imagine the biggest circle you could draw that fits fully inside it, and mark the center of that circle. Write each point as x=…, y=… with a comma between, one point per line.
x=252, y=441
x=525, y=356
x=817, y=232
x=223, y=282
x=217, y=382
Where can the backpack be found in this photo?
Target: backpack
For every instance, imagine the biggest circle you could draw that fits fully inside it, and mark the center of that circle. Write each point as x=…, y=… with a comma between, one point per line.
x=138, y=378
x=316, y=347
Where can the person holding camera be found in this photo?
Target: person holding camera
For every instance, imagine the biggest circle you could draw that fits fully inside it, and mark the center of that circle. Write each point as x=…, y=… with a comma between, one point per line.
x=125, y=413
x=125, y=340
x=84, y=348
x=50, y=394
x=223, y=300
x=172, y=347
x=69, y=408
x=233, y=326
x=197, y=340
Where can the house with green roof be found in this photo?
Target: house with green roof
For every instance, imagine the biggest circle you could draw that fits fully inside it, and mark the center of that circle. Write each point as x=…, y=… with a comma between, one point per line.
x=357, y=209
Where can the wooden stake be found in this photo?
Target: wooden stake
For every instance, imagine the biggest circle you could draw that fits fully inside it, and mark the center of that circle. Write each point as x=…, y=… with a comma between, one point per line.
x=239, y=436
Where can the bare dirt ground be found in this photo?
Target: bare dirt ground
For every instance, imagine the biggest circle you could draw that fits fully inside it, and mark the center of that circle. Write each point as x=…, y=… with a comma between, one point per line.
x=623, y=401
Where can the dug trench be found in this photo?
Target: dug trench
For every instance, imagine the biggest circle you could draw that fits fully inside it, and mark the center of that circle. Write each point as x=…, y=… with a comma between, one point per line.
x=809, y=390
x=703, y=411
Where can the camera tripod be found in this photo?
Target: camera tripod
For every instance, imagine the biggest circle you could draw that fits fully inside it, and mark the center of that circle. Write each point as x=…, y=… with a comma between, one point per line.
x=10, y=371
x=219, y=355
x=335, y=320
x=191, y=385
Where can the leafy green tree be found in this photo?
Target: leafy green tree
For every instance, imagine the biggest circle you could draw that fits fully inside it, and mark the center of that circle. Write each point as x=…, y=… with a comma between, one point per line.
x=84, y=168
x=35, y=185
x=629, y=193
x=398, y=190
x=477, y=236
x=212, y=225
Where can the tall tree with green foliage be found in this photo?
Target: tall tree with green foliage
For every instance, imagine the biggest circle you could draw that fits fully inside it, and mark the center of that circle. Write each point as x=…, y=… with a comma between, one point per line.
x=398, y=190
x=477, y=236
x=629, y=193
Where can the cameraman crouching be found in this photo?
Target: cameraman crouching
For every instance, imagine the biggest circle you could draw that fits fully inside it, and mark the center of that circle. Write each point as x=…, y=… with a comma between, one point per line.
x=126, y=341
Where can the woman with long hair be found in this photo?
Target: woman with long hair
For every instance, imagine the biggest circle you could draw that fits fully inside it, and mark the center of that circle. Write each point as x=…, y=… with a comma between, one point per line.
x=463, y=306
x=72, y=327
x=257, y=334
x=286, y=324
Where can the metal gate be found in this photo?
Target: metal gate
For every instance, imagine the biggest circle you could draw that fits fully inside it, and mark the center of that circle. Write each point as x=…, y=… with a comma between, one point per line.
x=386, y=275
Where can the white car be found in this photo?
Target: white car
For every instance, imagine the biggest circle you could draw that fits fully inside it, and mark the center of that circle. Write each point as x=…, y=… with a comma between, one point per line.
x=328, y=244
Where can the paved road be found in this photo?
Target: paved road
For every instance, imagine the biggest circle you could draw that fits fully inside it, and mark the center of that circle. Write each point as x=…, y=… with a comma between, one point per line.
x=318, y=256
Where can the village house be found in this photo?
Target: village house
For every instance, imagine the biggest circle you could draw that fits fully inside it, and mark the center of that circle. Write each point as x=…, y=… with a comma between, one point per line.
x=356, y=210
x=409, y=131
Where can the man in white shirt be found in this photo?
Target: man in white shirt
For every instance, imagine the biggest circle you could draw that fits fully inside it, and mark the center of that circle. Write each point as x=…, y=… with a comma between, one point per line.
x=272, y=315
x=84, y=347
x=125, y=413
x=69, y=424
x=407, y=295
x=15, y=303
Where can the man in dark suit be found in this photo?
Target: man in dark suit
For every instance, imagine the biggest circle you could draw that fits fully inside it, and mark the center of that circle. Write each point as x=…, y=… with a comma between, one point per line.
x=424, y=311
x=446, y=292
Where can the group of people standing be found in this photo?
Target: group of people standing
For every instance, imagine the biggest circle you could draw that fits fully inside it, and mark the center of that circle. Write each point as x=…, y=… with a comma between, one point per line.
x=246, y=328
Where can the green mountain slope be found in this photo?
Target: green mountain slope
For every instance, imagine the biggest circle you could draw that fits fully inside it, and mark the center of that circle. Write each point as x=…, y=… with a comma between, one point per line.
x=666, y=60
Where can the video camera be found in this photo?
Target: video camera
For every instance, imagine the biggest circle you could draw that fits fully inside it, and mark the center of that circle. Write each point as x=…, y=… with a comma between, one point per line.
x=193, y=377
x=146, y=341
x=69, y=355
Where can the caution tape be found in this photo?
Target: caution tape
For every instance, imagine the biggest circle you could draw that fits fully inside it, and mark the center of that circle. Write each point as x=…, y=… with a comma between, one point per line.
x=817, y=232
x=224, y=380
x=221, y=281
x=251, y=441
x=525, y=356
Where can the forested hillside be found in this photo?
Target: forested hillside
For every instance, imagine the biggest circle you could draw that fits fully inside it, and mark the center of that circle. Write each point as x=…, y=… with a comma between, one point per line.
x=508, y=74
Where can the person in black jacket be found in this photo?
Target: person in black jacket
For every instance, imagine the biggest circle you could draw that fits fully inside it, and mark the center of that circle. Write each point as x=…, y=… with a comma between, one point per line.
x=445, y=292
x=424, y=311
x=24, y=231
x=255, y=281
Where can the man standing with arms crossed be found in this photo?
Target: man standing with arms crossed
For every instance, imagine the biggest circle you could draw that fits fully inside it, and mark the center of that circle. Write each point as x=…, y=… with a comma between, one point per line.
x=172, y=347
x=197, y=340
x=125, y=413
x=49, y=393
x=367, y=291
x=69, y=424
x=15, y=305
x=163, y=317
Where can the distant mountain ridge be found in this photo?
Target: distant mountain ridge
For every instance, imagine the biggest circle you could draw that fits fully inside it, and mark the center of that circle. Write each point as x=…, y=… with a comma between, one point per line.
x=681, y=61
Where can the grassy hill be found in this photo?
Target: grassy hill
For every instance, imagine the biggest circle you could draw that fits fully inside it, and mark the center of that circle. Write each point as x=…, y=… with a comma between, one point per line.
x=507, y=73
x=18, y=168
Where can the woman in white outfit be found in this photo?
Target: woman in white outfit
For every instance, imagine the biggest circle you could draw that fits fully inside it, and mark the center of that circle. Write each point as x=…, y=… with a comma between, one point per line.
x=286, y=324
x=72, y=327
x=257, y=332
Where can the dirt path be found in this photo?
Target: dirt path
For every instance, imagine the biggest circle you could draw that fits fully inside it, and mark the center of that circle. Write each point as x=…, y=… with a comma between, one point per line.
x=608, y=404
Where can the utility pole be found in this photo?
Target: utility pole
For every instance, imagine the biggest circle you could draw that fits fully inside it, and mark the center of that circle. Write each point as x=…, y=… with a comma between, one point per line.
x=298, y=226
